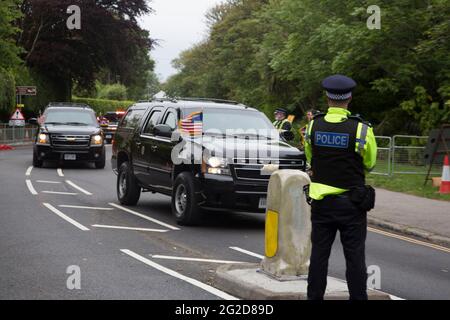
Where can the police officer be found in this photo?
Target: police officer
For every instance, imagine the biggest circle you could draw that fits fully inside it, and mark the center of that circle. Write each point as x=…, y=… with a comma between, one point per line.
x=281, y=122
x=341, y=148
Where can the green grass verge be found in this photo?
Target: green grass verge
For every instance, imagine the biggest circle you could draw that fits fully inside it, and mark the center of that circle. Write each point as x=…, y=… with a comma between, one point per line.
x=407, y=183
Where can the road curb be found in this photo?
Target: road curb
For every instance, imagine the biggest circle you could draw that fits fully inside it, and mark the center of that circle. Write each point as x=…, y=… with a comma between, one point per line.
x=246, y=288
x=410, y=231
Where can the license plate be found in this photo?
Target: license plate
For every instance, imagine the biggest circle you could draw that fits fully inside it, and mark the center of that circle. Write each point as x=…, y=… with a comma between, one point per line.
x=262, y=203
x=70, y=157
x=108, y=136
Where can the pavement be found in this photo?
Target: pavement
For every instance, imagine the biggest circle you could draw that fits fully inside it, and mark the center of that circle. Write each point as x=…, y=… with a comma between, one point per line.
x=425, y=219
x=52, y=218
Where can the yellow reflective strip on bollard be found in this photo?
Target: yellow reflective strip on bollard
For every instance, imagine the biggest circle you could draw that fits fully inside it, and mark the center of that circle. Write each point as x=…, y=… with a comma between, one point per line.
x=271, y=233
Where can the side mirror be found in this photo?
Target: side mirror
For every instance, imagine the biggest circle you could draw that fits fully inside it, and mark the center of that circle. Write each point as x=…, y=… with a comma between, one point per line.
x=163, y=130
x=287, y=135
x=33, y=121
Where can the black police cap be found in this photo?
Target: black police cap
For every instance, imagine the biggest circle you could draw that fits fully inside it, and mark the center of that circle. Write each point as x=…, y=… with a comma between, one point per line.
x=339, y=87
x=282, y=110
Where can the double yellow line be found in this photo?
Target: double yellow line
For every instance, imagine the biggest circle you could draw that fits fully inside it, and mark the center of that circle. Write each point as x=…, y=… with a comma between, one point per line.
x=411, y=240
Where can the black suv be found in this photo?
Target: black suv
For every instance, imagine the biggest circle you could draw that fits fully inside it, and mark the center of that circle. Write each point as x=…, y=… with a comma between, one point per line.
x=205, y=154
x=68, y=132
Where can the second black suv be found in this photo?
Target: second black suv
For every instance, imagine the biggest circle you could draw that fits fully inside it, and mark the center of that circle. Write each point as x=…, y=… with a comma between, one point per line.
x=212, y=155
x=68, y=132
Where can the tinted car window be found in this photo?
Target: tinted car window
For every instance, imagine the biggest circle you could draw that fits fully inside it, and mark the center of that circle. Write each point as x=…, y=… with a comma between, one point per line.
x=132, y=118
x=152, y=121
x=171, y=120
x=70, y=117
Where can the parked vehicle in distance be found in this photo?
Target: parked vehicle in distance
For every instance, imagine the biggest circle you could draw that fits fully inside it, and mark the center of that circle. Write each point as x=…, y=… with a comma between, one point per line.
x=146, y=141
x=109, y=128
x=68, y=132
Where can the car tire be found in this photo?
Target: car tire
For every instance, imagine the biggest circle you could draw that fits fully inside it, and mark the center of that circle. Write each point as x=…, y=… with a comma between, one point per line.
x=128, y=190
x=100, y=164
x=185, y=200
x=36, y=162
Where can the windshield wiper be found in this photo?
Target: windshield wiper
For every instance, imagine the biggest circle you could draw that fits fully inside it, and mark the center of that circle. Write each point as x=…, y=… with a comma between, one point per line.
x=53, y=123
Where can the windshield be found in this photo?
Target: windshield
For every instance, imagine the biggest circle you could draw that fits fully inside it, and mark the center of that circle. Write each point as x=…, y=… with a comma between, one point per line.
x=236, y=122
x=70, y=117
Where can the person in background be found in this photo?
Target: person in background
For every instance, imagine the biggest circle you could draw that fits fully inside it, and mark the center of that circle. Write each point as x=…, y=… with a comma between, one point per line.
x=309, y=117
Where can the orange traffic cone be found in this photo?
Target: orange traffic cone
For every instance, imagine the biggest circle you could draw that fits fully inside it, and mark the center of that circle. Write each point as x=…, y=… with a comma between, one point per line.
x=445, y=183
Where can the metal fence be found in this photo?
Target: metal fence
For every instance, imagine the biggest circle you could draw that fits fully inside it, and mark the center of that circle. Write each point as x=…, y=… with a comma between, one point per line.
x=402, y=154
x=13, y=135
x=384, y=156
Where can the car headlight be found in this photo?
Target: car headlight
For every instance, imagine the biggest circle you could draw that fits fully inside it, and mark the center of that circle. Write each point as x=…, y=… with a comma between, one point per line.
x=215, y=165
x=97, y=140
x=43, y=138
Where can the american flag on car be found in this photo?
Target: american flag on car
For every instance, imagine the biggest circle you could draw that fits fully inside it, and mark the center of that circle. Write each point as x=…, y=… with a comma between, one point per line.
x=192, y=124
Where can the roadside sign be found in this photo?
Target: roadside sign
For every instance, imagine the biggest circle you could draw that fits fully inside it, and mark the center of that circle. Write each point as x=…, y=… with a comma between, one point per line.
x=26, y=91
x=17, y=119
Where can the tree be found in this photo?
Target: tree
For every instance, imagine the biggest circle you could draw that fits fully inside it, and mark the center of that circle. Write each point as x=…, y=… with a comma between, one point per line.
x=9, y=54
x=110, y=37
x=275, y=53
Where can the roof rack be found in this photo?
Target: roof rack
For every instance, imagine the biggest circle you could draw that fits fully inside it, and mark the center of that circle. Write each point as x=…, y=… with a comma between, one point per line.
x=159, y=100
x=68, y=104
x=209, y=99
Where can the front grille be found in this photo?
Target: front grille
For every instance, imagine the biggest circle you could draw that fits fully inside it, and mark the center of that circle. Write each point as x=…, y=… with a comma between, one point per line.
x=70, y=140
x=251, y=169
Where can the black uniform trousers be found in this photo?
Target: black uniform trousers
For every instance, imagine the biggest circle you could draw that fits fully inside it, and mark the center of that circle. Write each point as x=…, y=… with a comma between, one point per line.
x=329, y=215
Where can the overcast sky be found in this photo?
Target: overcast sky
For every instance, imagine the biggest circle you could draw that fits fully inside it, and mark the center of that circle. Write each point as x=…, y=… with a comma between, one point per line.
x=177, y=24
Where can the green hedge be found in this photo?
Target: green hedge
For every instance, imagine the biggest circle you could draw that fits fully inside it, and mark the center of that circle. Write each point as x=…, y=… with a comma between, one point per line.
x=102, y=106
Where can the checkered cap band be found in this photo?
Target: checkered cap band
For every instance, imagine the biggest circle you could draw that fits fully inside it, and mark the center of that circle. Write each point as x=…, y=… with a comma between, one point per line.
x=339, y=96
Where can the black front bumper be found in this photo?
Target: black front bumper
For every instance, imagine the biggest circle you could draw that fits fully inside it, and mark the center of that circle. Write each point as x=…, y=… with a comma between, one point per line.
x=224, y=193
x=50, y=153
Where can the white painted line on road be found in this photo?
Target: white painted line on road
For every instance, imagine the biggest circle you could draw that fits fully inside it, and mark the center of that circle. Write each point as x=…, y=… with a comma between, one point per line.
x=28, y=173
x=175, y=274
x=48, y=182
x=128, y=228
x=85, y=208
x=157, y=256
x=395, y=297
x=78, y=188
x=61, y=193
x=60, y=172
x=144, y=216
x=30, y=187
x=256, y=255
x=68, y=219
x=396, y=236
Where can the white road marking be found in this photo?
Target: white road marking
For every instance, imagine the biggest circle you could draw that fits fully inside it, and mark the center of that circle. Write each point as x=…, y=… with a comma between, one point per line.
x=396, y=236
x=156, y=256
x=247, y=252
x=30, y=187
x=175, y=274
x=395, y=297
x=144, y=217
x=49, y=182
x=68, y=219
x=28, y=173
x=61, y=193
x=86, y=208
x=78, y=188
x=128, y=228
x=60, y=172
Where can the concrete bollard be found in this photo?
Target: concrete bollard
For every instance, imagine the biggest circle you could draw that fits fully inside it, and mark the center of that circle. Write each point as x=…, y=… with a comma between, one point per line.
x=288, y=226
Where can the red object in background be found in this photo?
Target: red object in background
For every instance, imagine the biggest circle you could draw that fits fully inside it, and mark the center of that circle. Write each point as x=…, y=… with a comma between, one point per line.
x=445, y=182
x=5, y=147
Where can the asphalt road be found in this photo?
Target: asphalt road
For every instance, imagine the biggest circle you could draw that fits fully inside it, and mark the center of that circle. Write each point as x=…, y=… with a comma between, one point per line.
x=69, y=217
